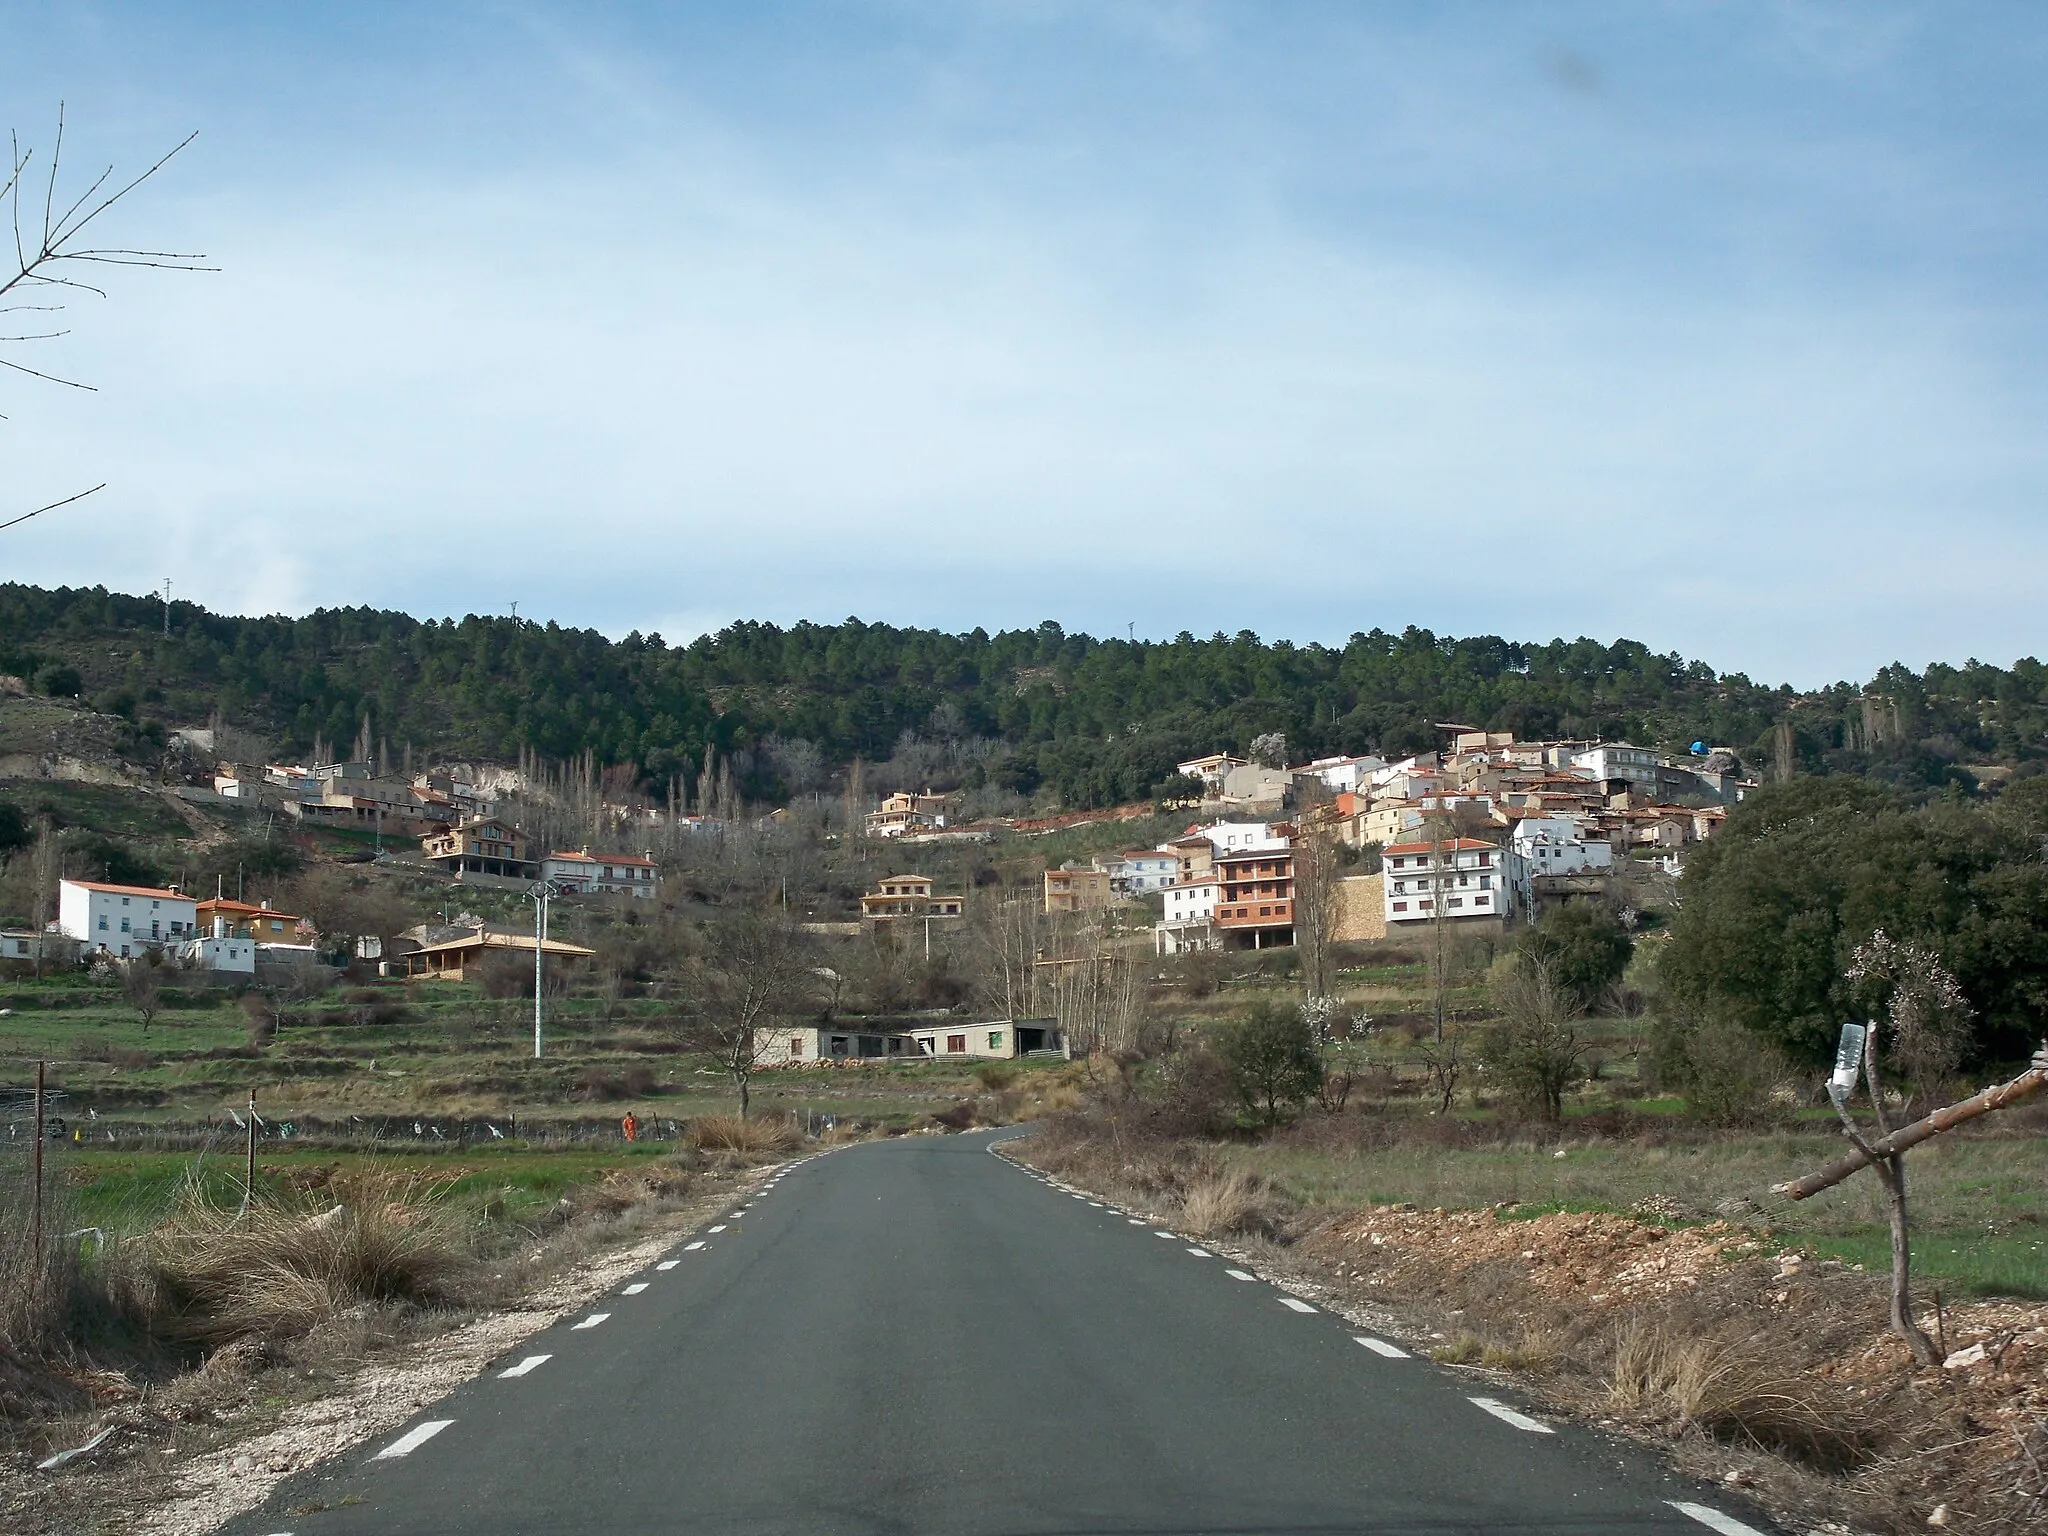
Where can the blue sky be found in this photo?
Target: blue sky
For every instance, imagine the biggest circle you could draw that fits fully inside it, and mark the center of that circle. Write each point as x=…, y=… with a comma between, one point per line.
x=1715, y=325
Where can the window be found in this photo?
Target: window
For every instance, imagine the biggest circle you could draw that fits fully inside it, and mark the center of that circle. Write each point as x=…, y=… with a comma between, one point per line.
x=124, y=925
x=103, y=922
x=995, y=1039
x=796, y=1045
x=1455, y=901
x=1400, y=906
x=956, y=1045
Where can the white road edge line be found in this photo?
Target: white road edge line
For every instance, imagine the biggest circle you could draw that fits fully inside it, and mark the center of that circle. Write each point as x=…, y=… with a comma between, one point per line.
x=1239, y=1274
x=719, y=1228
x=635, y=1288
x=413, y=1439
x=1201, y=1253
x=523, y=1366
x=1297, y=1303
x=693, y=1247
x=1508, y=1415
x=668, y=1263
x=1167, y=1235
x=591, y=1321
x=1137, y=1221
x=1381, y=1347
x=1714, y=1520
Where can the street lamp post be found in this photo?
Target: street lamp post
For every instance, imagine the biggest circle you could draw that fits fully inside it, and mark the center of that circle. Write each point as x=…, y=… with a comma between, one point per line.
x=541, y=892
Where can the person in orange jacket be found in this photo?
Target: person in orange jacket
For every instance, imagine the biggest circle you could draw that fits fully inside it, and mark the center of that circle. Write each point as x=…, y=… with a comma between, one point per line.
x=630, y=1126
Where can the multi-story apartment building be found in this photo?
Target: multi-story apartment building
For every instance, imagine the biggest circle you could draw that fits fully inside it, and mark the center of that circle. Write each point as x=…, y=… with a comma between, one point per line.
x=1255, y=896
x=1189, y=917
x=1471, y=878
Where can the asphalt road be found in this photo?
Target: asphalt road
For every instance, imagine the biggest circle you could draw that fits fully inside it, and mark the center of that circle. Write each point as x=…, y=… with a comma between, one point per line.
x=916, y=1336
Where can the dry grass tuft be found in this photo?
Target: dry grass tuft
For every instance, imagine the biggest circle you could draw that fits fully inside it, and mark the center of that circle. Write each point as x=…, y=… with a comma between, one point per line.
x=1465, y=1349
x=277, y=1271
x=730, y=1133
x=1231, y=1204
x=1726, y=1388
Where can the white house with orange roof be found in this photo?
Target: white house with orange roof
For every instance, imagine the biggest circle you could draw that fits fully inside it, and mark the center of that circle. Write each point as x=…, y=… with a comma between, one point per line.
x=603, y=874
x=124, y=920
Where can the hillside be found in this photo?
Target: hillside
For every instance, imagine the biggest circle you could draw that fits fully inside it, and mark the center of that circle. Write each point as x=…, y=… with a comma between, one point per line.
x=1026, y=712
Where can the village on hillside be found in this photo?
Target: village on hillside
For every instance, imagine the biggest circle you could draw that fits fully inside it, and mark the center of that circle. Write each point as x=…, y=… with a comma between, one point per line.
x=1487, y=832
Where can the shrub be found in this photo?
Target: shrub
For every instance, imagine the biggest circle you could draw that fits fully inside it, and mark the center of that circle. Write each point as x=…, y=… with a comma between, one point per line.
x=1585, y=949
x=1195, y=1094
x=1725, y=1073
x=995, y=1076
x=1234, y=1204
x=1272, y=1061
x=634, y=1082
x=1732, y=1391
x=278, y=1269
x=730, y=1133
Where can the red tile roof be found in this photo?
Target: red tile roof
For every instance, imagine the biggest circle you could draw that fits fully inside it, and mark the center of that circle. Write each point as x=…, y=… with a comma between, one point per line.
x=130, y=890
x=1461, y=845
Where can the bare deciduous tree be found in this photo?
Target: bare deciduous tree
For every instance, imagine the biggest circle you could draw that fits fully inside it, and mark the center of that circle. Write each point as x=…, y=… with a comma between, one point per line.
x=141, y=988
x=1315, y=908
x=1007, y=936
x=754, y=972
x=51, y=247
x=1534, y=1048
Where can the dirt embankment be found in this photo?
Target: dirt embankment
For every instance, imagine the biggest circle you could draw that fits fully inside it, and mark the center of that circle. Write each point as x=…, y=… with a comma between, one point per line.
x=1767, y=1370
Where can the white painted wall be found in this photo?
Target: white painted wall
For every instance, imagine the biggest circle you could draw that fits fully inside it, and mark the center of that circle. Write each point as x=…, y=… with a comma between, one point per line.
x=123, y=920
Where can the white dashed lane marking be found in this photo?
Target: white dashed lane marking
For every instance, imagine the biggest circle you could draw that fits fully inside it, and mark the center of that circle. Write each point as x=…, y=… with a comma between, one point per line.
x=693, y=1247
x=1200, y=1253
x=1239, y=1274
x=668, y=1263
x=412, y=1439
x=715, y=1229
x=1167, y=1235
x=1136, y=1222
x=523, y=1366
x=591, y=1321
x=635, y=1288
x=1714, y=1520
x=1296, y=1303
x=1382, y=1347
x=1508, y=1415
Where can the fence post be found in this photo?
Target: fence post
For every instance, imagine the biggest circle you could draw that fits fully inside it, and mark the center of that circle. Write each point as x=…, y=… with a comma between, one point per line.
x=249, y=1172
x=36, y=1197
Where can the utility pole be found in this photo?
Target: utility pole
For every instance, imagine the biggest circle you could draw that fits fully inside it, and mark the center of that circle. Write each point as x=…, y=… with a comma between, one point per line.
x=167, y=607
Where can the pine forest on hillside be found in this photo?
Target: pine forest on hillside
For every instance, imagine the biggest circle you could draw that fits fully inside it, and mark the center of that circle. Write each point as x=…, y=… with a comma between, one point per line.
x=1036, y=712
